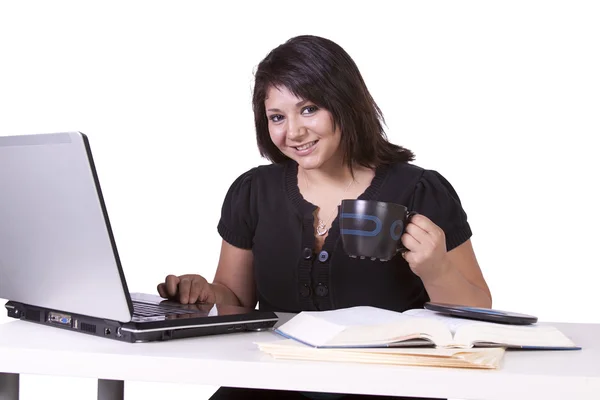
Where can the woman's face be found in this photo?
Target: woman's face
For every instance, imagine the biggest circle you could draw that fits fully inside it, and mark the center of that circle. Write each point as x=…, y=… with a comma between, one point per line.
x=301, y=130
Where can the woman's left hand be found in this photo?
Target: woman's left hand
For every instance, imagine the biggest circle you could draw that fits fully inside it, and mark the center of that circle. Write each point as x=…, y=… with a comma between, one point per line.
x=426, y=243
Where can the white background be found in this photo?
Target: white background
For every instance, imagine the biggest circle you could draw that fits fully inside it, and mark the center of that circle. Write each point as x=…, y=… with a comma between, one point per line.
x=502, y=98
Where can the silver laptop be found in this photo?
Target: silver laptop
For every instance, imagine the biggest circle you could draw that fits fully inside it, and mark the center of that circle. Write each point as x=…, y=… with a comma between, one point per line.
x=59, y=263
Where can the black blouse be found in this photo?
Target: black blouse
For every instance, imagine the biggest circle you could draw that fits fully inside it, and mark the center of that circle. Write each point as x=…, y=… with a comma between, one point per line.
x=264, y=211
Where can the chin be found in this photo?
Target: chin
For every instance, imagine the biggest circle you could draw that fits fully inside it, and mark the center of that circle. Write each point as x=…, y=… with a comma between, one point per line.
x=309, y=163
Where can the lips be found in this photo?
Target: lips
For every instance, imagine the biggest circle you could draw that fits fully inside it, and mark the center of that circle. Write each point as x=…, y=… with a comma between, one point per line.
x=306, y=146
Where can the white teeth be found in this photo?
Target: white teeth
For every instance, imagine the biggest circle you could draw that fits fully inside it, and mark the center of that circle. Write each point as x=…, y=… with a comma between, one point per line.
x=306, y=146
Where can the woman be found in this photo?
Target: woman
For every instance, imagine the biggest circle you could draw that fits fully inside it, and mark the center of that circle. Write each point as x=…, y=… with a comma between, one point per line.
x=318, y=124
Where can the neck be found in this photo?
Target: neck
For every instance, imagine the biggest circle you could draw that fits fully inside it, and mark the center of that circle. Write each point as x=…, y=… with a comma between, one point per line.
x=333, y=174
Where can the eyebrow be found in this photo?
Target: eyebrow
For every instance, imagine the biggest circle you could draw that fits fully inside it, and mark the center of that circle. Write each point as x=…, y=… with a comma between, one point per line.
x=301, y=103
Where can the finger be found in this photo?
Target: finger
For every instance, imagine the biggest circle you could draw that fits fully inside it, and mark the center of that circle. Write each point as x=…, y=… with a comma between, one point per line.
x=162, y=290
x=196, y=290
x=171, y=283
x=405, y=254
x=434, y=236
x=208, y=294
x=424, y=223
x=409, y=257
x=204, y=307
x=184, y=290
x=418, y=233
x=410, y=242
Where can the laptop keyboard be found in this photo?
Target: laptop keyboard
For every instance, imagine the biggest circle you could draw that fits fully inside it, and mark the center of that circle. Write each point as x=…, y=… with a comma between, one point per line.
x=154, y=310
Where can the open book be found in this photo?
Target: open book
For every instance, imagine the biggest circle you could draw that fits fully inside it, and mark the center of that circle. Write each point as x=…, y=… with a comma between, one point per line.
x=370, y=327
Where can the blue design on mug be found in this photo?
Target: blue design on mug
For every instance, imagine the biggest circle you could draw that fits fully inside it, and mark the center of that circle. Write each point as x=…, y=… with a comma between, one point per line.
x=393, y=228
x=360, y=232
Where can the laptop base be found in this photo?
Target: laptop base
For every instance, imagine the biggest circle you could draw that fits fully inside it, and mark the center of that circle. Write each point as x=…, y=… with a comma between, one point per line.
x=136, y=332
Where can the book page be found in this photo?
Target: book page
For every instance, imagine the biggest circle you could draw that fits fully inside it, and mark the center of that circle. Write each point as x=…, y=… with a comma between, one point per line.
x=451, y=322
x=483, y=333
x=308, y=328
x=358, y=316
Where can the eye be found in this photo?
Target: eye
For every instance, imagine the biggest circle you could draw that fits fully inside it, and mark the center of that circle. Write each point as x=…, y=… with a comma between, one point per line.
x=309, y=110
x=276, y=117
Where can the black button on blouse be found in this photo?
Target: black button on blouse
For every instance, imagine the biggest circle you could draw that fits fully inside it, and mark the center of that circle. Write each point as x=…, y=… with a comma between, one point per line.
x=307, y=253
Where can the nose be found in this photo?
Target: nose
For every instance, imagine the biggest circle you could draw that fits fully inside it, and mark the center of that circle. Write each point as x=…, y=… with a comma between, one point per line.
x=295, y=129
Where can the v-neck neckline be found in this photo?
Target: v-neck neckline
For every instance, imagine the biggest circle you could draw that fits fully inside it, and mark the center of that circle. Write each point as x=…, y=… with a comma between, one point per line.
x=306, y=209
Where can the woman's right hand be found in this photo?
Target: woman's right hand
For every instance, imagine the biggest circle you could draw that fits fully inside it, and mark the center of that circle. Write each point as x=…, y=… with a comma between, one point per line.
x=187, y=289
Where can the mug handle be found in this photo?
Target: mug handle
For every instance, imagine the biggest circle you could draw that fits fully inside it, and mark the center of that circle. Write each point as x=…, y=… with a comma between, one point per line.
x=401, y=248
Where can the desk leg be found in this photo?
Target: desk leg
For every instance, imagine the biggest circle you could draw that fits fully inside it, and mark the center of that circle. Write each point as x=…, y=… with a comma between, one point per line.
x=9, y=386
x=110, y=390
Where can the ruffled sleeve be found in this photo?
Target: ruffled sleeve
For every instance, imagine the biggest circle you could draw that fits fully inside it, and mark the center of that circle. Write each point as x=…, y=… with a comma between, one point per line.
x=435, y=198
x=236, y=225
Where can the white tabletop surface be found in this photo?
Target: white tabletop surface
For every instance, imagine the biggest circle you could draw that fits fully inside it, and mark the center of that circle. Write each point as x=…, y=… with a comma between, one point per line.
x=234, y=360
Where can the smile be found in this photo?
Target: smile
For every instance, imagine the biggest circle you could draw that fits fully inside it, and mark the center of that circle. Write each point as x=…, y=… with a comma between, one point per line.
x=306, y=146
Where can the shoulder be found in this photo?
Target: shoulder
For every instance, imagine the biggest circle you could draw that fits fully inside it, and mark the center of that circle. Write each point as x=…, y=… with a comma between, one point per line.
x=401, y=179
x=405, y=171
x=252, y=186
x=240, y=209
x=257, y=175
x=263, y=172
x=269, y=172
x=414, y=177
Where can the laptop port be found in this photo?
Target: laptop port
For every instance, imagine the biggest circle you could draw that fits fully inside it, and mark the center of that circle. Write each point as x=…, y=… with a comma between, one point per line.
x=58, y=318
x=107, y=331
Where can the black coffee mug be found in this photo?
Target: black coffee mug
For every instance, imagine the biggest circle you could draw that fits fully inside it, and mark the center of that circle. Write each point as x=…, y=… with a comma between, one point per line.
x=372, y=229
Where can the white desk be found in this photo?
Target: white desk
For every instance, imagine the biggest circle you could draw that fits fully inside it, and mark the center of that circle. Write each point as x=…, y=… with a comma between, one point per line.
x=233, y=360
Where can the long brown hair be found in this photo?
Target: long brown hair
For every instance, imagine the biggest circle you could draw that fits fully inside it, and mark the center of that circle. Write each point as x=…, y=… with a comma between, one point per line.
x=319, y=70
